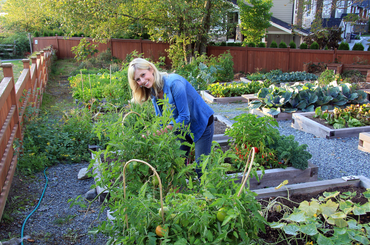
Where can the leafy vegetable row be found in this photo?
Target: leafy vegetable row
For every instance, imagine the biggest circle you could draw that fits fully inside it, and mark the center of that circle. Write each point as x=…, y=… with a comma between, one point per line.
x=306, y=97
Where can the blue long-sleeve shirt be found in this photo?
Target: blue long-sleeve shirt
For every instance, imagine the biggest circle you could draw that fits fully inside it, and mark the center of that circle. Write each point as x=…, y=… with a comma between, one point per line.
x=188, y=106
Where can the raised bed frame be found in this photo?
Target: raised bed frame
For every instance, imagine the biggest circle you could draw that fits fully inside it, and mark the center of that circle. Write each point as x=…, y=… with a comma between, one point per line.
x=210, y=98
x=313, y=187
x=303, y=123
x=364, y=142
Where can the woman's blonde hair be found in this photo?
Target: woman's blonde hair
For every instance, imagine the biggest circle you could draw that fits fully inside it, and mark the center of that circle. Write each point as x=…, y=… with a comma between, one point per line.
x=141, y=94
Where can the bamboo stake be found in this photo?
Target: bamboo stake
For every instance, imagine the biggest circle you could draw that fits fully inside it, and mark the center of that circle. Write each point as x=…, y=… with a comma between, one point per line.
x=110, y=74
x=90, y=87
x=250, y=163
x=82, y=84
x=159, y=180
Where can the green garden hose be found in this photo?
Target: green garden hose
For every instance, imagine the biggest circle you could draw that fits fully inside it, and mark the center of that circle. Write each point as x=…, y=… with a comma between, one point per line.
x=42, y=195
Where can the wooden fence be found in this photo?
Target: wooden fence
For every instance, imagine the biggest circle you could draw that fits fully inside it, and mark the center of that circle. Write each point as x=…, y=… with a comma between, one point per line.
x=8, y=49
x=14, y=98
x=247, y=60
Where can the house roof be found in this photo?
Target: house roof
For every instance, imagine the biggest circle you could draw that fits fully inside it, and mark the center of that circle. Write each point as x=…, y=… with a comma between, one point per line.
x=365, y=4
x=331, y=22
x=282, y=25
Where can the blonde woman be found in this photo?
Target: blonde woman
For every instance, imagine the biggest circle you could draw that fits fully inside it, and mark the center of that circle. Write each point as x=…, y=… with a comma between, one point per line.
x=147, y=82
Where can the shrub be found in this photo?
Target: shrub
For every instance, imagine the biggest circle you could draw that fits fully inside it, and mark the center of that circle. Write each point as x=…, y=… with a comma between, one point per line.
x=303, y=46
x=262, y=45
x=282, y=44
x=315, y=45
x=368, y=48
x=358, y=46
x=251, y=44
x=343, y=46
x=292, y=44
x=22, y=43
x=273, y=44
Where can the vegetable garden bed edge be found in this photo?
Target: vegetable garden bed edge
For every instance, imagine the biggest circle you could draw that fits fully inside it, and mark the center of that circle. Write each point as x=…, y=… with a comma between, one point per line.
x=312, y=187
x=301, y=122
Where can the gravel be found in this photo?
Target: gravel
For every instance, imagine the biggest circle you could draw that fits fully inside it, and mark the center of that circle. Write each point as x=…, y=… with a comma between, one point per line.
x=54, y=222
x=335, y=158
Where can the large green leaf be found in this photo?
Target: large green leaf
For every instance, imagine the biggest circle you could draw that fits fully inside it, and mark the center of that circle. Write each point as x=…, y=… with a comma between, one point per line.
x=322, y=240
x=297, y=217
x=310, y=208
x=309, y=229
x=291, y=229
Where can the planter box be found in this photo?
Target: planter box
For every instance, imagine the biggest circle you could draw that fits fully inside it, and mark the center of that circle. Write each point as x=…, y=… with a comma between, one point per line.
x=210, y=98
x=336, y=67
x=249, y=97
x=303, y=123
x=364, y=142
x=273, y=177
x=361, y=68
x=279, y=117
x=313, y=187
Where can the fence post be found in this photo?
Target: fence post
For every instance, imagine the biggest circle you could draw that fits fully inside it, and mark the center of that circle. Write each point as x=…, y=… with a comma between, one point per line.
x=288, y=60
x=246, y=58
x=35, y=79
x=334, y=55
x=57, y=46
x=141, y=46
x=8, y=72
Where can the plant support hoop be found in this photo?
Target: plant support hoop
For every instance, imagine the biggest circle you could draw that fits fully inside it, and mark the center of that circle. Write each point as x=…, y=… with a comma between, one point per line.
x=250, y=163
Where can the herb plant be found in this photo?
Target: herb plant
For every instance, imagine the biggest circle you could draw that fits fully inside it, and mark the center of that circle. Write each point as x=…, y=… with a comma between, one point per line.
x=235, y=89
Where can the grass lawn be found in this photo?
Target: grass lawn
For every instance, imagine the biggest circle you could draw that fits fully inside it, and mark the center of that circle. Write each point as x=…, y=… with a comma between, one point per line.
x=17, y=69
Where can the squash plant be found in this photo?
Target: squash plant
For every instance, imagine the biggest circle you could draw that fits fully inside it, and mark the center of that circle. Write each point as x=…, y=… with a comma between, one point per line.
x=332, y=218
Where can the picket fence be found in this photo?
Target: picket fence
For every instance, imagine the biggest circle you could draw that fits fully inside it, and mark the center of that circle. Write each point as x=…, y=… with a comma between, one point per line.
x=15, y=97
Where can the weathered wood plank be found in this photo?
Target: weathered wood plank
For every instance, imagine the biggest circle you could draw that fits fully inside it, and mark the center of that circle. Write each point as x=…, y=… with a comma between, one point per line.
x=7, y=184
x=364, y=142
x=273, y=177
x=210, y=98
x=279, y=117
x=249, y=97
x=7, y=122
x=8, y=155
x=303, y=123
x=6, y=87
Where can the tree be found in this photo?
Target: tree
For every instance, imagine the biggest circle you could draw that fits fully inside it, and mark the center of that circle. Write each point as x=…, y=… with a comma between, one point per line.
x=255, y=18
x=26, y=16
x=187, y=25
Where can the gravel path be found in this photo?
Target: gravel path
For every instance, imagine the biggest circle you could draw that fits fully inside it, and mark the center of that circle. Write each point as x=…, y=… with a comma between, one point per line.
x=54, y=222
x=335, y=158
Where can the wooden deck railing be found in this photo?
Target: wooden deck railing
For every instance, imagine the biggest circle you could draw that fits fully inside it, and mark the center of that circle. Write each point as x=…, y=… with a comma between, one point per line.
x=14, y=98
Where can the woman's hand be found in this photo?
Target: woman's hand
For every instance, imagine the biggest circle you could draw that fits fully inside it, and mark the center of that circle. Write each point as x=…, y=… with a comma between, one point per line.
x=162, y=131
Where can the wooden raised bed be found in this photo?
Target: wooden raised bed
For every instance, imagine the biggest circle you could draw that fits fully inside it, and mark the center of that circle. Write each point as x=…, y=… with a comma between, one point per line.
x=364, y=142
x=303, y=123
x=249, y=97
x=273, y=177
x=210, y=98
x=313, y=187
x=279, y=117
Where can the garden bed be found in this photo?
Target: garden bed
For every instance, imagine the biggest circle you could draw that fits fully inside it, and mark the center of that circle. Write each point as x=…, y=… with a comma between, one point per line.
x=273, y=177
x=210, y=98
x=281, y=116
x=364, y=142
x=304, y=122
x=313, y=187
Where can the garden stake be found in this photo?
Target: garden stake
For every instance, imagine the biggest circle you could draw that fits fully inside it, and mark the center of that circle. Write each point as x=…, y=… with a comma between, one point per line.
x=90, y=86
x=82, y=84
x=250, y=163
x=160, y=186
x=110, y=74
x=123, y=120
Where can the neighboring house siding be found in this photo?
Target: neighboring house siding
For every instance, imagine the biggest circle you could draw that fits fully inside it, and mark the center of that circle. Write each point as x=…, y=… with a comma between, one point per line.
x=282, y=9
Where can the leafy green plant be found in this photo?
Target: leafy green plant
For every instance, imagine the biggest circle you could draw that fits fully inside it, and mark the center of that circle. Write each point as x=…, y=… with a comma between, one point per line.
x=205, y=76
x=282, y=44
x=262, y=45
x=303, y=46
x=84, y=49
x=273, y=44
x=332, y=218
x=358, y=46
x=352, y=116
x=343, y=46
x=326, y=77
x=235, y=89
x=314, y=45
x=251, y=44
x=225, y=66
x=292, y=44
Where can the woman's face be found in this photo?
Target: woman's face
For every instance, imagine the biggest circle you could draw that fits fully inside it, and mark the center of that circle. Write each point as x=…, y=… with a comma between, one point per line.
x=144, y=78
